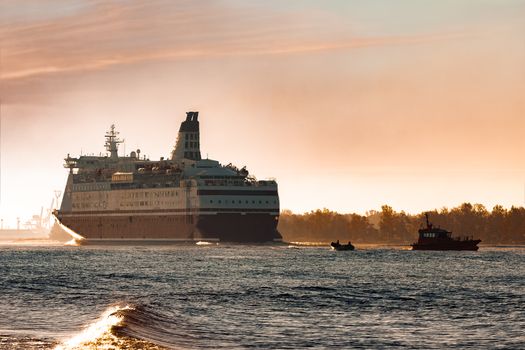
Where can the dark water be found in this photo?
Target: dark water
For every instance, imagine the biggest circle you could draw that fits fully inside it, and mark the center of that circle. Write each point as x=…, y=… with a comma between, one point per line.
x=230, y=297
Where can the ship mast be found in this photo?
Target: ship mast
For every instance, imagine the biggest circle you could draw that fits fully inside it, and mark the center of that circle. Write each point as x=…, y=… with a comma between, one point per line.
x=112, y=142
x=429, y=225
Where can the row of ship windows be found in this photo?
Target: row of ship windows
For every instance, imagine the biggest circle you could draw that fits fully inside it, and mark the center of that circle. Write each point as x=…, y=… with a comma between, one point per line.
x=240, y=202
x=146, y=220
x=146, y=204
x=89, y=205
x=89, y=197
x=129, y=195
x=122, y=204
x=429, y=235
x=91, y=187
x=156, y=203
x=153, y=194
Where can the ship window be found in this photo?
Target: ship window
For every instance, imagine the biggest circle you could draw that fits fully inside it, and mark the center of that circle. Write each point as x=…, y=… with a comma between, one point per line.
x=220, y=201
x=260, y=202
x=266, y=202
x=211, y=200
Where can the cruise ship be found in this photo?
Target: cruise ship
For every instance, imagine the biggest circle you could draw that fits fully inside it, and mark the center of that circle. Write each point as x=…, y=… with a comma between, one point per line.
x=119, y=199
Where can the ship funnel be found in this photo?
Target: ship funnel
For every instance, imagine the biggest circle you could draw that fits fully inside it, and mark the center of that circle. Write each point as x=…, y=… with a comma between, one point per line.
x=188, y=140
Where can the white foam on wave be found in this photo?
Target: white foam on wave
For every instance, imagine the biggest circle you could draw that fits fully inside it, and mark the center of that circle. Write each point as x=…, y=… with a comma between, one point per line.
x=72, y=242
x=97, y=335
x=205, y=243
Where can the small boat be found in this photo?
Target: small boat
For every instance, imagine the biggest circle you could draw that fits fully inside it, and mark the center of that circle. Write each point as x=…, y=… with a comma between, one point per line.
x=339, y=246
x=432, y=238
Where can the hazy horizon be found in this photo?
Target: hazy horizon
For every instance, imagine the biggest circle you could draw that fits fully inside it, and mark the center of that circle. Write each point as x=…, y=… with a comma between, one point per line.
x=349, y=105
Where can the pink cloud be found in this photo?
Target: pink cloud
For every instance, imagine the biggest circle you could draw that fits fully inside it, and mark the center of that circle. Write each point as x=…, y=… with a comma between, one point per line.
x=107, y=35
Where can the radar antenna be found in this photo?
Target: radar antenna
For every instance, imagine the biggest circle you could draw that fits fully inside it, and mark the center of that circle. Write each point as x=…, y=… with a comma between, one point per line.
x=112, y=142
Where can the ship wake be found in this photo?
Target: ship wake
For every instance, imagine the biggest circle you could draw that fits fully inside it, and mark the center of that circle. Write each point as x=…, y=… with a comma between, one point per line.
x=76, y=239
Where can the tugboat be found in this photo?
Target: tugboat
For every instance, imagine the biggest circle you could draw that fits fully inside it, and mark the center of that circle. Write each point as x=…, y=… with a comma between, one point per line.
x=339, y=246
x=432, y=238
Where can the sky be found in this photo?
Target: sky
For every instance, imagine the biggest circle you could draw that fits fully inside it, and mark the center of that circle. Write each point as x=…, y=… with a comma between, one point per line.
x=348, y=104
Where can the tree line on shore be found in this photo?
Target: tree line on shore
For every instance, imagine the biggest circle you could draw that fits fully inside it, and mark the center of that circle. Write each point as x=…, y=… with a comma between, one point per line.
x=498, y=226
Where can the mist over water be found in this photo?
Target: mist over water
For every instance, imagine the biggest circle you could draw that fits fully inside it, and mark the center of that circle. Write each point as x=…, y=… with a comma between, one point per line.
x=268, y=297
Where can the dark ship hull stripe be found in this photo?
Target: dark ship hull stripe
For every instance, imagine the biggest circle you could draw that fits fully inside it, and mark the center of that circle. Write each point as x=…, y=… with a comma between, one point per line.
x=473, y=247
x=171, y=211
x=229, y=227
x=236, y=193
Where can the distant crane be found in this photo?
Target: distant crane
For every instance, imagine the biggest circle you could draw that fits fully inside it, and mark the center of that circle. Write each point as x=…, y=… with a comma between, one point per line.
x=57, y=197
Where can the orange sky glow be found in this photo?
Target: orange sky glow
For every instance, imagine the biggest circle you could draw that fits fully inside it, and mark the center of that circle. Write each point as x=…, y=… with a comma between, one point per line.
x=348, y=104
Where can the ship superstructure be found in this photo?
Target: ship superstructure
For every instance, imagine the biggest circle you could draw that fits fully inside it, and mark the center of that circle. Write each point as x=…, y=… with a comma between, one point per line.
x=183, y=198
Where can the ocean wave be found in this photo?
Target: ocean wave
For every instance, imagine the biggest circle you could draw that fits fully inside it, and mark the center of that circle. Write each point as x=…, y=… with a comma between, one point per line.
x=119, y=327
